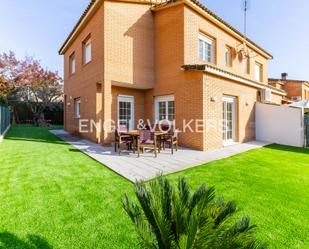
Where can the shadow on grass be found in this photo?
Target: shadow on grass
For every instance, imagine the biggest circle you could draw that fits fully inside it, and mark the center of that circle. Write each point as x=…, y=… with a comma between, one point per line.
x=36, y=140
x=33, y=134
x=288, y=148
x=75, y=150
x=11, y=241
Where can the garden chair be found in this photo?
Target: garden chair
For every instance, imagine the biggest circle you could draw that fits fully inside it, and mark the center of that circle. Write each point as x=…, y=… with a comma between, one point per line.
x=171, y=140
x=121, y=139
x=147, y=140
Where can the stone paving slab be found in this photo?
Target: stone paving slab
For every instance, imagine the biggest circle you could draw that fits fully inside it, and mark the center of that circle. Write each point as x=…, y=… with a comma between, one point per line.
x=147, y=167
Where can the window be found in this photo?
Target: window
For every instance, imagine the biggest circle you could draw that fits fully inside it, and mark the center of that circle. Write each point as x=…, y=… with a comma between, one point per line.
x=77, y=107
x=228, y=56
x=87, y=51
x=206, y=48
x=72, y=64
x=258, y=72
x=126, y=111
x=247, y=64
x=165, y=108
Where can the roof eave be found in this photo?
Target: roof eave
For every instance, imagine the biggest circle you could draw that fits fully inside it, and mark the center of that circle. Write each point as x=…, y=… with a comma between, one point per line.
x=206, y=68
x=201, y=9
x=90, y=10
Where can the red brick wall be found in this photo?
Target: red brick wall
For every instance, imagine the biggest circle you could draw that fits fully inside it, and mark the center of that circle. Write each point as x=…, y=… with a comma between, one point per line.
x=83, y=83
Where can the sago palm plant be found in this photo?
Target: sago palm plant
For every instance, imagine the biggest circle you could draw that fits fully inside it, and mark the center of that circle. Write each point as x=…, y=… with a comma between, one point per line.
x=166, y=217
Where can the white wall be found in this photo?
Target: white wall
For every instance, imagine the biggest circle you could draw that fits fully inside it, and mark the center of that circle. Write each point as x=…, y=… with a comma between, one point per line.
x=280, y=124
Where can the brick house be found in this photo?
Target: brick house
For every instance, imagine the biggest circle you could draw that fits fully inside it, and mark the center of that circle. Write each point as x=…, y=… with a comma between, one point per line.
x=296, y=90
x=130, y=60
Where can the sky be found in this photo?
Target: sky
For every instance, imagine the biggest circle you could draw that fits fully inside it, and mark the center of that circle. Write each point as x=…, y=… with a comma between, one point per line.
x=281, y=27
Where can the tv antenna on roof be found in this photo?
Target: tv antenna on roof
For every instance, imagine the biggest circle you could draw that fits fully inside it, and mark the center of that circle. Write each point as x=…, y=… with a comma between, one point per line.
x=245, y=7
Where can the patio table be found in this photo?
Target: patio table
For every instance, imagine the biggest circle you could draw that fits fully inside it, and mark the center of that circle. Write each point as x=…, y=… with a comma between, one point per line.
x=135, y=134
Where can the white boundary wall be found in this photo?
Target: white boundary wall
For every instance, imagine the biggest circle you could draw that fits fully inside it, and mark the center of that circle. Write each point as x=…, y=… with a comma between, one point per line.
x=280, y=124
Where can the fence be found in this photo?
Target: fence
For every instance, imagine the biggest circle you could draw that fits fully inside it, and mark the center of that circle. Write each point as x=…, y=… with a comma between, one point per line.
x=280, y=124
x=307, y=129
x=5, y=119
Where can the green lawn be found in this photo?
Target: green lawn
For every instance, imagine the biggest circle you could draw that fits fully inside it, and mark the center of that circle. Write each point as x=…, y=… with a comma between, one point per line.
x=53, y=196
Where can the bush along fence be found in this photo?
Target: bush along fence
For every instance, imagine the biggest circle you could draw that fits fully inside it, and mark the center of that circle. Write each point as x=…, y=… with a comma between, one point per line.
x=5, y=119
x=53, y=114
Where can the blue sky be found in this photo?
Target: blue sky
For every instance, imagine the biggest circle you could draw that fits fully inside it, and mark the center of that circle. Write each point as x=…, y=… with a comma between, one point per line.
x=38, y=28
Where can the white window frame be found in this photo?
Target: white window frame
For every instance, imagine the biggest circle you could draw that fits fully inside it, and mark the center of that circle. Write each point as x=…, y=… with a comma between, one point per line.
x=258, y=71
x=228, y=56
x=126, y=98
x=166, y=98
x=87, y=51
x=77, y=107
x=72, y=63
x=202, y=48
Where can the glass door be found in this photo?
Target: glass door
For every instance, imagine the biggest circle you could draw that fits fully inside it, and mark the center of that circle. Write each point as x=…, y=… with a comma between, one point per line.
x=229, y=120
x=126, y=111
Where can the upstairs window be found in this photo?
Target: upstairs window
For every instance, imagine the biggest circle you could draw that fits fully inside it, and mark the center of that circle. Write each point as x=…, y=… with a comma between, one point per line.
x=87, y=50
x=72, y=64
x=228, y=56
x=206, y=48
x=258, y=72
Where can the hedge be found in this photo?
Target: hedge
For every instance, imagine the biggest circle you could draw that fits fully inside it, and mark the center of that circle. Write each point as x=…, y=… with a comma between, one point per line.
x=53, y=113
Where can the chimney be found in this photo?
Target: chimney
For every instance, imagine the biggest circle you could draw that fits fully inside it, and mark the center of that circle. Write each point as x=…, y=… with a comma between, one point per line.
x=284, y=76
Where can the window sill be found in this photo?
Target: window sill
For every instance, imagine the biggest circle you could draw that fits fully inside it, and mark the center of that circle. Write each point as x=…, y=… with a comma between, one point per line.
x=207, y=62
x=85, y=64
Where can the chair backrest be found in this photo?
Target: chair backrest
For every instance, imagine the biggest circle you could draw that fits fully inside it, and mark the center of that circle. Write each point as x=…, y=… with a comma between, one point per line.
x=175, y=133
x=164, y=126
x=146, y=136
x=122, y=128
x=117, y=133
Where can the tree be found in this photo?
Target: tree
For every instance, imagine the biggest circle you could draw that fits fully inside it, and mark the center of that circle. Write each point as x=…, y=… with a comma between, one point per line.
x=166, y=218
x=27, y=81
x=41, y=87
x=11, y=78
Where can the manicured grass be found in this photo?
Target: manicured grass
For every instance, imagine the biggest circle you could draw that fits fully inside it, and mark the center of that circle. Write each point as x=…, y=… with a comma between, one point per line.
x=58, y=196
x=53, y=196
x=270, y=185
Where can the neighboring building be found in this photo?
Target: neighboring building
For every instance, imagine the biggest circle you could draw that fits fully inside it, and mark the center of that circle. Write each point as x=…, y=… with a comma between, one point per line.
x=130, y=60
x=296, y=90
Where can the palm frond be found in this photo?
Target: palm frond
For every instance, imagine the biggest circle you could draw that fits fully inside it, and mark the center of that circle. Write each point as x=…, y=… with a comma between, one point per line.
x=184, y=191
x=227, y=210
x=172, y=218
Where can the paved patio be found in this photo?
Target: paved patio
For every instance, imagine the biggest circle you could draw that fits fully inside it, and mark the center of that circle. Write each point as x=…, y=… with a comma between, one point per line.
x=147, y=167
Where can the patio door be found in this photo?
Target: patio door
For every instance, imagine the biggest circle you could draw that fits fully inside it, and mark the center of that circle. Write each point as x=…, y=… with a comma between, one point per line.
x=126, y=111
x=229, y=120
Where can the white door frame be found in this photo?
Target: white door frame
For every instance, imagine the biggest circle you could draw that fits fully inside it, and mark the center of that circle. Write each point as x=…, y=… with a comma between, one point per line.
x=233, y=100
x=130, y=99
